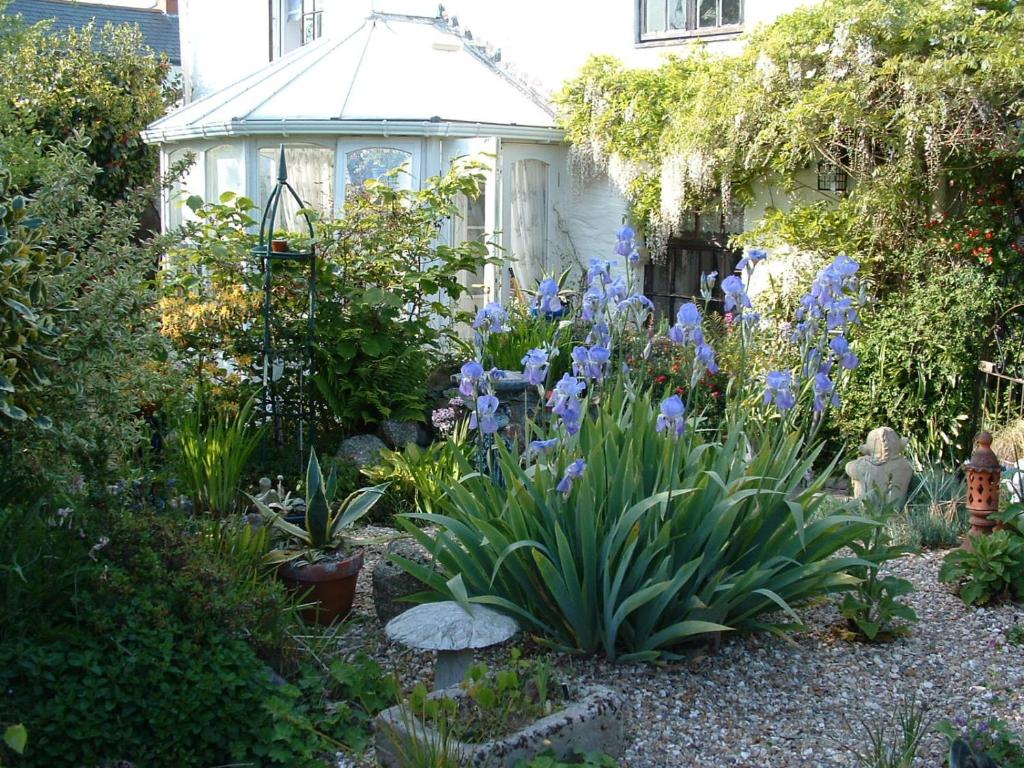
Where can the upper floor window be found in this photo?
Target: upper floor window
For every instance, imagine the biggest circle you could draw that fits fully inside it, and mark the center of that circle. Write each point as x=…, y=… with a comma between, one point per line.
x=293, y=23
x=661, y=19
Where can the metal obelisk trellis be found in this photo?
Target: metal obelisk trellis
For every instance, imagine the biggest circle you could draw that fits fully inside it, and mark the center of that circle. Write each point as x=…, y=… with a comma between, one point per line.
x=286, y=401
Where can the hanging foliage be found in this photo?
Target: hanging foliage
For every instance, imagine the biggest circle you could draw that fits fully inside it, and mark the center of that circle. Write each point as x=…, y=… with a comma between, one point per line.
x=902, y=96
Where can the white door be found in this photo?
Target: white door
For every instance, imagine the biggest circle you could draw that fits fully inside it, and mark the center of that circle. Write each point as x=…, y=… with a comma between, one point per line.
x=480, y=218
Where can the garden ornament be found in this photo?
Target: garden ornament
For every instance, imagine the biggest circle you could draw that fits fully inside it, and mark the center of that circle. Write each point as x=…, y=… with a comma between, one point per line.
x=454, y=631
x=983, y=473
x=883, y=468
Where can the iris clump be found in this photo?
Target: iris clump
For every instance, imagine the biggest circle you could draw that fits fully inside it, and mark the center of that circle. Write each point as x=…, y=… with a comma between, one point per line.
x=628, y=526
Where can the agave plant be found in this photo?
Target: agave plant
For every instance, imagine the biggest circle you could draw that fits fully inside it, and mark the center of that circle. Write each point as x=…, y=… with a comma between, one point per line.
x=324, y=530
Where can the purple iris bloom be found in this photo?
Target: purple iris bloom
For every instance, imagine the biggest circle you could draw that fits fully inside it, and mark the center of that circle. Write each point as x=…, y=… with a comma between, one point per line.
x=705, y=356
x=779, y=390
x=841, y=348
x=841, y=313
x=491, y=317
x=687, y=328
x=753, y=257
x=565, y=402
x=543, y=446
x=735, y=294
x=590, y=363
x=470, y=376
x=707, y=284
x=547, y=302
x=535, y=367
x=824, y=392
x=486, y=408
x=572, y=472
x=672, y=416
x=593, y=303
x=600, y=272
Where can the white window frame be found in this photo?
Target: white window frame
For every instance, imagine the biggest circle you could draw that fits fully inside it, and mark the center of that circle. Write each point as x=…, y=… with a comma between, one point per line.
x=413, y=146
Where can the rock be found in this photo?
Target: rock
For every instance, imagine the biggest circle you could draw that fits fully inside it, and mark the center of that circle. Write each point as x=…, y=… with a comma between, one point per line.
x=391, y=582
x=398, y=434
x=361, y=450
x=883, y=469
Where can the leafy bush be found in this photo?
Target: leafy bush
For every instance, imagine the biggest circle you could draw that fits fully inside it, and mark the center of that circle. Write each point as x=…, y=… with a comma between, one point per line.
x=29, y=324
x=102, y=379
x=658, y=542
x=992, y=569
x=420, y=475
x=387, y=295
x=136, y=636
x=103, y=84
x=872, y=608
x=919, y=355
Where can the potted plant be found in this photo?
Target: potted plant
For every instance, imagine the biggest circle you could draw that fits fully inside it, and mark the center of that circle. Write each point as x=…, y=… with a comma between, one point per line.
x=315, y=557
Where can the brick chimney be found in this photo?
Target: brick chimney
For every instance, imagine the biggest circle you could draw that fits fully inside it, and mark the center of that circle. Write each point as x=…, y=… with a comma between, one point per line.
x=169, y=7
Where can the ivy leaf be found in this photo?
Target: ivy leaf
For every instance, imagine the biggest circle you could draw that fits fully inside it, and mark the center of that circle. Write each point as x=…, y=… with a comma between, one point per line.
x=16, y=737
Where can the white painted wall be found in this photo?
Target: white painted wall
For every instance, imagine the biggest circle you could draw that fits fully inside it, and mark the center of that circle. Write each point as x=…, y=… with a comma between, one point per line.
x=223, y=40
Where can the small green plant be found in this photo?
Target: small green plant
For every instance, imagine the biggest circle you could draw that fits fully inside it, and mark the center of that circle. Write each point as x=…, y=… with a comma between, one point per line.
x=1016, y=634
x=993, y=568
x=213, y=456
x=528, y=331
x=872, y=608
x=989, y=743
x=895, y=743
x=324, y=531
x=420, y=474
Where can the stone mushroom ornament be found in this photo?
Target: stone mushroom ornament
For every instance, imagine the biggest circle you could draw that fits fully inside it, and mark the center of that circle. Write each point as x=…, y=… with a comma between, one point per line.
x=883, y=468
x=454, y=631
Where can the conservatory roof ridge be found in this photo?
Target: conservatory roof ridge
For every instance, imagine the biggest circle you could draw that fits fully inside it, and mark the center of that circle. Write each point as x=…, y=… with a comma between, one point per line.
x=392, y=69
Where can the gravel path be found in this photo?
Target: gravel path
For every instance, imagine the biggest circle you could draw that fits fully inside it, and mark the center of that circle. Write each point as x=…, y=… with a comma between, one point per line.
x=763, y=701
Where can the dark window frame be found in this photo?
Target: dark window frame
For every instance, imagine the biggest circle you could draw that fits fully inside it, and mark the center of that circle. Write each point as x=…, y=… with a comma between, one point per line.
x=691, y=32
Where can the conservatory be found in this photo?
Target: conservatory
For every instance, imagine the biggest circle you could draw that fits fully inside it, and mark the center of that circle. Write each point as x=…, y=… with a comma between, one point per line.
x=397, y=92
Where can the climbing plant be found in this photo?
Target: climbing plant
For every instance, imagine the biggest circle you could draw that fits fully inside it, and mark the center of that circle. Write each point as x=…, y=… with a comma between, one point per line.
x=919, y=102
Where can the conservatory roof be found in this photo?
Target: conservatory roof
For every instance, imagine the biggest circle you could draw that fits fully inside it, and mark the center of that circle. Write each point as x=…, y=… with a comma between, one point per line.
x=394, y=75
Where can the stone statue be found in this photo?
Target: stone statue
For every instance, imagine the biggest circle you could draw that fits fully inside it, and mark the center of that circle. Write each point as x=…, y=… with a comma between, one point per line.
x=883, y=468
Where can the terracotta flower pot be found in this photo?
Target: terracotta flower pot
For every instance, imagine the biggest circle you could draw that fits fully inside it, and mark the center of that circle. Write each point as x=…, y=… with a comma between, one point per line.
x=279, y=246
x=329, y=584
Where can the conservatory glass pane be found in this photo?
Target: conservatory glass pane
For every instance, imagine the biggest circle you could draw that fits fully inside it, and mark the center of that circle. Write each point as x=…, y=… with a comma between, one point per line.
x=311, y=174
x=529, y=222
x=224, y=172
x=677, y=14
x=707, y=16
x=654, y=16
x=469, y=226
x=732, y=12
x=366, y=163
x=190, y=184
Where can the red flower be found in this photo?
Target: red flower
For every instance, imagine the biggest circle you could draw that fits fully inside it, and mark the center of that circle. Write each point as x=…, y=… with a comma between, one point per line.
x=989, y=235
x=660, y=379
x=680, y=390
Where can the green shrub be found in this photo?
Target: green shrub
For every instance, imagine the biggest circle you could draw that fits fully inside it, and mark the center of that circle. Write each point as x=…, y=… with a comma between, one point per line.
x=992, y=569
x=919, y=355
x=101, y=374
x=142, y=637
x=658, y=542
x=103, y=84
x=419, y=476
